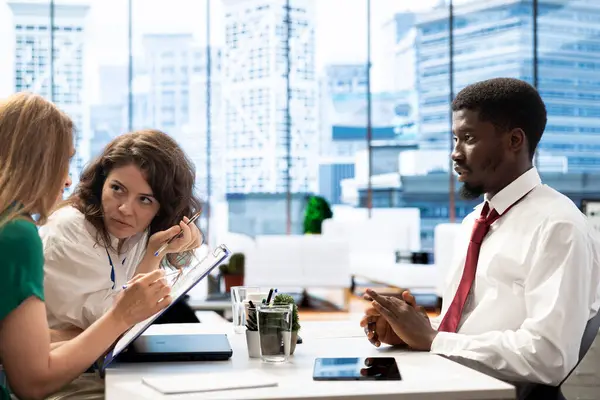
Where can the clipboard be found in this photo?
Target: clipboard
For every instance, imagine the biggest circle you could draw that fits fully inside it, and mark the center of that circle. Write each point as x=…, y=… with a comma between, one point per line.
x=190, y=277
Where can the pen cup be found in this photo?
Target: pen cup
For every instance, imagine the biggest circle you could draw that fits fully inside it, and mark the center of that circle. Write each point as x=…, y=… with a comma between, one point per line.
x=240, y=296
x=275, y=332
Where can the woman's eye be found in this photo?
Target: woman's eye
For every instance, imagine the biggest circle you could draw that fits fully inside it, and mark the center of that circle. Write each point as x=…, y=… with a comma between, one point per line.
x=146, y=200
x=115, y=188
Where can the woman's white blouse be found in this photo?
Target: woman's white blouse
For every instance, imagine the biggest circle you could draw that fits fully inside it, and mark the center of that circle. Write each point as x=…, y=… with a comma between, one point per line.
x=81, y=277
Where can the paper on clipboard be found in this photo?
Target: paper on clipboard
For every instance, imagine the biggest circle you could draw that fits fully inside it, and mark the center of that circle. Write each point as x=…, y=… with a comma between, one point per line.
x=190, y=277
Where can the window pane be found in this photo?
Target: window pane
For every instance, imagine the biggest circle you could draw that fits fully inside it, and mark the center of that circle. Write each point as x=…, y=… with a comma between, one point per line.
x=341, y=67
x=106, y=74
x=255, y=111
x=426, y=177
x=25, y=47
x=569, y=82
x=170, y=61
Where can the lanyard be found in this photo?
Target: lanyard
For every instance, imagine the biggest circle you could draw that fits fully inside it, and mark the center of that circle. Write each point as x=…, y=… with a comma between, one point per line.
x=112, y=268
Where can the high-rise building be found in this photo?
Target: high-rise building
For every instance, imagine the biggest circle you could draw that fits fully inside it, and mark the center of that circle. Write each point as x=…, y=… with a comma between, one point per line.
x=346, y=78
x=198, y=147
x=255, y=74
x=342, y=108
x=33, y=52
x=107, y=121
x=171, y=95
x=170, y=58
x=495, y=39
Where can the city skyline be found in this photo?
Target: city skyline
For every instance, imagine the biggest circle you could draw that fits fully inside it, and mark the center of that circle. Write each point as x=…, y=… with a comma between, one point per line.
x=107, y=41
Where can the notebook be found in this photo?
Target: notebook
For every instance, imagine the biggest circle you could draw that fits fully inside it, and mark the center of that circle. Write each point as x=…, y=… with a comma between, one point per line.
x=209, y=382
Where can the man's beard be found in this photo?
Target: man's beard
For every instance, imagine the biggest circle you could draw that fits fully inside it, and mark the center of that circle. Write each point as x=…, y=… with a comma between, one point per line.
x=472, y=192
x=469, y=192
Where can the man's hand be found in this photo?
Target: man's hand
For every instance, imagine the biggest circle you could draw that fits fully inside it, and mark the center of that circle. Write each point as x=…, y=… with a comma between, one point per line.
x=408, y=324
x=378, y=329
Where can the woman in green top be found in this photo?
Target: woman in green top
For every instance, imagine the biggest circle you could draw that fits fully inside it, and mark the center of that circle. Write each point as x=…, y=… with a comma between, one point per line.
x=36, y=143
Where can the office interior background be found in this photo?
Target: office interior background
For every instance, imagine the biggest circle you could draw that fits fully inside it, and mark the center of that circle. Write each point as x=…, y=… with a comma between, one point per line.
x=275, y=100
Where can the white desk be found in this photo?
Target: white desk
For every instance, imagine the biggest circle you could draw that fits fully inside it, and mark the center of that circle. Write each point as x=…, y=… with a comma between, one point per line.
x=424, y=375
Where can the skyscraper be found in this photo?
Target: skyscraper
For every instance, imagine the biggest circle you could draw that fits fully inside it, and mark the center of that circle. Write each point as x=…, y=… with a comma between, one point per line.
x=172, y=96
x=172, y=59
x=254, y=78
x=495, y=39
x=195, y=135
x=33, y=52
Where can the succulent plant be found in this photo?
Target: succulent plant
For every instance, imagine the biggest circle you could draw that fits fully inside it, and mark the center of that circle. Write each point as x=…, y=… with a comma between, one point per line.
x=282, y=299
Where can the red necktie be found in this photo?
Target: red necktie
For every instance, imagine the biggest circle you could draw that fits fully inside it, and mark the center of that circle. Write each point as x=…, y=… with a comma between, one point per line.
x=480, y=229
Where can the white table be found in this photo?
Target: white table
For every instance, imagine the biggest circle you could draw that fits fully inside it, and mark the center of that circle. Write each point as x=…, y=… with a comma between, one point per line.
x=424, y=375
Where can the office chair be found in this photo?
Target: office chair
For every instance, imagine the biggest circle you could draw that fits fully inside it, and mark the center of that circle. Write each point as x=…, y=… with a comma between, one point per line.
x=544, y=392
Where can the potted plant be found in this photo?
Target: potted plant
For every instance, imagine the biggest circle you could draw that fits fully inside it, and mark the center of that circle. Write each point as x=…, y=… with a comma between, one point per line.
x=233, y=273
x=282, y=299
x=317, y=211
x=252, y=338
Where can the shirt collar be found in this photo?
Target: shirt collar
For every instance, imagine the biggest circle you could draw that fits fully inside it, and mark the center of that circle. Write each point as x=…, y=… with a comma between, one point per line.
x=514, y=191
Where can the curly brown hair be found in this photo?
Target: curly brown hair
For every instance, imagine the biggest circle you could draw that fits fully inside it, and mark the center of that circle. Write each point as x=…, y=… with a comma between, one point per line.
x=168, y=171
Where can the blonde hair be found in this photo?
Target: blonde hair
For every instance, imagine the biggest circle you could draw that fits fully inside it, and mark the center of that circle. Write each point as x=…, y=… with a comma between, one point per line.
x=36, y=141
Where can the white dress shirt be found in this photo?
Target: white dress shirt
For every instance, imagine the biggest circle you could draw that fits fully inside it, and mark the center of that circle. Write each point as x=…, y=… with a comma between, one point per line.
x=79, y=282
x=536, y=286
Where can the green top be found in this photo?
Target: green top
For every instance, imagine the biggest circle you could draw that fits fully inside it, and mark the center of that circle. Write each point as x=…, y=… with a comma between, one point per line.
x=21, y=269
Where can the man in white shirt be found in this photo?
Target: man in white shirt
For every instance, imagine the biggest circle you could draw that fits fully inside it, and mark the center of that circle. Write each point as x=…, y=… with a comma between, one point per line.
x=528, y=260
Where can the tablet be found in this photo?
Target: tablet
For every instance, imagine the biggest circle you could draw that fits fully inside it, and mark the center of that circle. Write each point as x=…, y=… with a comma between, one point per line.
x=188, y=279
x=356, y=369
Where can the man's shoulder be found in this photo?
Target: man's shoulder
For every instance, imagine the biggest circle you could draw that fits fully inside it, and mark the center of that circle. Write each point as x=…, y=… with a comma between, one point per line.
x=557, y=207
x=556, y=216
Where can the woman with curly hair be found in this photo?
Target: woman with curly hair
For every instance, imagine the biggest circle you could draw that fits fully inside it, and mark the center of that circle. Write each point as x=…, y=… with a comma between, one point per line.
x=129, y=201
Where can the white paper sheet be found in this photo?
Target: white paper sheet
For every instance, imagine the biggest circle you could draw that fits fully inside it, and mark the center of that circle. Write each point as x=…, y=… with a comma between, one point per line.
x=209, y=382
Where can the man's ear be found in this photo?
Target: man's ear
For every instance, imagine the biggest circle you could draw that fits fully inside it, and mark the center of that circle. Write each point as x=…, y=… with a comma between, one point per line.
x=517, y=139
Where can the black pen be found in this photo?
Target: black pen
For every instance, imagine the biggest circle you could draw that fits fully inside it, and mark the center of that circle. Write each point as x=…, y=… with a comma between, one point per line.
x=269, y=296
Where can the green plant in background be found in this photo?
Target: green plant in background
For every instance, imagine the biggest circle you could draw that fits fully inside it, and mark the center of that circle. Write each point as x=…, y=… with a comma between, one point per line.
x=236, y=265
x=282, y=299
x=317, y=211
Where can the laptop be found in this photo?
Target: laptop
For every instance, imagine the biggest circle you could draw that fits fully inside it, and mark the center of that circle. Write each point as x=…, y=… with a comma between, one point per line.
x=163, y=348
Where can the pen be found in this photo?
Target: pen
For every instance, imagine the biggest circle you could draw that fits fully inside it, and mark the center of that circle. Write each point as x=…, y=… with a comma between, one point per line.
x=274, y=295
x=166, y=276
x=164, y=246
x=269, y=296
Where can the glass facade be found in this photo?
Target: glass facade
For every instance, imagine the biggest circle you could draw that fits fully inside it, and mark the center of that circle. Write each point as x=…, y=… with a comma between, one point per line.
x=275, y=100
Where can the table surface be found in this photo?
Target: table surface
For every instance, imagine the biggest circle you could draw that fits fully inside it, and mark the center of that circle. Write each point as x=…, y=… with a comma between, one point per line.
x=424, y=375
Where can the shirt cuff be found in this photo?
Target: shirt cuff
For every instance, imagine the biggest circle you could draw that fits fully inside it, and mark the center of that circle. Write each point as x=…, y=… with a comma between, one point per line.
x=446, y=343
